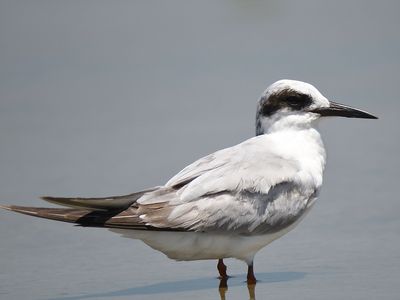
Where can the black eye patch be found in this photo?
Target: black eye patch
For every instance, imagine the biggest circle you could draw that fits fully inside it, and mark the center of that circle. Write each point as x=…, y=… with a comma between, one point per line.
x=292, y=99
x=297, y=101
x=285, y=99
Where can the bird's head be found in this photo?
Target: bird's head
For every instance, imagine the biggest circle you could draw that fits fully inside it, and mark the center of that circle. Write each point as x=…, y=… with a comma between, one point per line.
x=291, y=103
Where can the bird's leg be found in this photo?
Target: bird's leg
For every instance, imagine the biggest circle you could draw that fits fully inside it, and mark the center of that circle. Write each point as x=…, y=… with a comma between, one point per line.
x=251, y=279
x=223, y=283
x=222, y=269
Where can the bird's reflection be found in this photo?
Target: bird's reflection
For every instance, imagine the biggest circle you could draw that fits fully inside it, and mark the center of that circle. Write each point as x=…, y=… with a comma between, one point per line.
x=252, y=291
x=222, y=292
x=196, y=284
x=223, y=288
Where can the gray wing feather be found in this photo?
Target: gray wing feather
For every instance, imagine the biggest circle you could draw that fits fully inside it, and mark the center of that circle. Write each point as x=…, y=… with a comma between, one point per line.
x=241, y=167
x=234, y=189
x=102, y=204
x=237, y=212
x=199, y=167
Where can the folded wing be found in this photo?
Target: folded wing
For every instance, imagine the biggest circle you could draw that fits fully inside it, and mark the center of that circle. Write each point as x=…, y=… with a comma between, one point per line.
x=246, y=188
x=236, y=189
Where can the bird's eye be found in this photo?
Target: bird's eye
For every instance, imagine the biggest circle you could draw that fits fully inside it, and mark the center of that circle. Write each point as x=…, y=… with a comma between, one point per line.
x=292, y=99
x=298, y=101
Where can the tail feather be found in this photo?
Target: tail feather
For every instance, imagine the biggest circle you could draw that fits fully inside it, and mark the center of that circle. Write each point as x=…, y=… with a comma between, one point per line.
x=127, y=219
x=58, y=214
x=111, y=212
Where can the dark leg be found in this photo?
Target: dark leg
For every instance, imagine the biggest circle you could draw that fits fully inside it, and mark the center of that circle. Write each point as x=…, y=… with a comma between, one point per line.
x=251, y=279
x=221, y=268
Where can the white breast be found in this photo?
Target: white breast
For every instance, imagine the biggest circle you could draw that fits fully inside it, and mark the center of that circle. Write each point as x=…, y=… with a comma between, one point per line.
x=306, y=148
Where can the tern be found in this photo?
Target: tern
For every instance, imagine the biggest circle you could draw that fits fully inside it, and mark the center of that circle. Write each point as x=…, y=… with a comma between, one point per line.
x=233, y=202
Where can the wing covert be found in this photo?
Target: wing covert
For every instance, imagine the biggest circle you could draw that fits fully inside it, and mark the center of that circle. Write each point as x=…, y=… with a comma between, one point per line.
x=213, y=192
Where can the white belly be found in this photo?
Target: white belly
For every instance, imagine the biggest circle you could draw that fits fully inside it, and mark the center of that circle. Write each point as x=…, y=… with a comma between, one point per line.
x=201, y=245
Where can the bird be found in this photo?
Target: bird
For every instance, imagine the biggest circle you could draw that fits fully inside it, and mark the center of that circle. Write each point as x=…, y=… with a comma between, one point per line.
x=230, y=203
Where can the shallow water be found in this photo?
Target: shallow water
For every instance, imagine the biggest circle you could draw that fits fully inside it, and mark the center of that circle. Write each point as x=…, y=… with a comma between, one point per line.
x=101, y=99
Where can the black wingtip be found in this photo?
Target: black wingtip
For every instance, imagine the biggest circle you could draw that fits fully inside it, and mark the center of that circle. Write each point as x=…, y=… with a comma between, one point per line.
x=49, y=198
x=31, y=211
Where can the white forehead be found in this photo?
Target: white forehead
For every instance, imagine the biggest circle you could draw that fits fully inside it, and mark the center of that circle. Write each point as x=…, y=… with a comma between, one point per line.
x=299, y=86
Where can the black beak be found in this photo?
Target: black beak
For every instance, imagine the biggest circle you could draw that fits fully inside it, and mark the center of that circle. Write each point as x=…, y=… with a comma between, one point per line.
x=340, y=110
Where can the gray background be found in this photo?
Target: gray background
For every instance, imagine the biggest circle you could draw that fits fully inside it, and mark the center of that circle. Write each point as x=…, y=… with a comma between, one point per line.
x=108, y=97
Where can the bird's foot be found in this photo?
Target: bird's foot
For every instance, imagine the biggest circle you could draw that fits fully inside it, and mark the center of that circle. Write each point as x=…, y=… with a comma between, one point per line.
x=251, y=279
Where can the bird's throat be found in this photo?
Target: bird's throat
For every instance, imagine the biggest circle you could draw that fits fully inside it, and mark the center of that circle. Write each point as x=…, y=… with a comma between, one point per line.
x=284, y=121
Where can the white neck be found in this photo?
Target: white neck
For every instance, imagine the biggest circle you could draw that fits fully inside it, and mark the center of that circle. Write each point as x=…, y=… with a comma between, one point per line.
x=296, y=139
x=284, y=121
